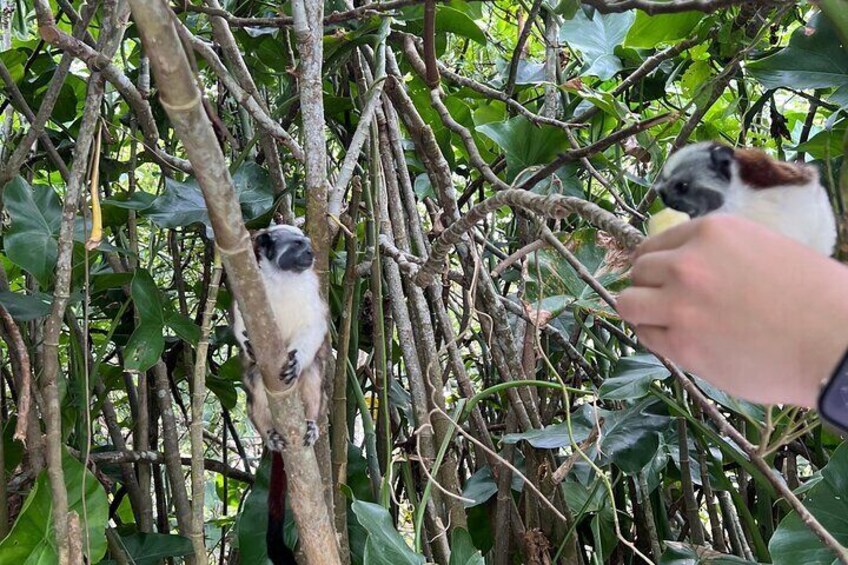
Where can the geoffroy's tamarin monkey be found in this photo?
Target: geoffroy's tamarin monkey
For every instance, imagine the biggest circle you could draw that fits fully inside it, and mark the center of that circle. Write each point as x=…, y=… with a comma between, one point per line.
x=285, y=260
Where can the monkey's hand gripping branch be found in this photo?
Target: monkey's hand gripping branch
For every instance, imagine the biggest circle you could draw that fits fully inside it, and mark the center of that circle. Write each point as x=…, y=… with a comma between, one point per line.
x=551, y=206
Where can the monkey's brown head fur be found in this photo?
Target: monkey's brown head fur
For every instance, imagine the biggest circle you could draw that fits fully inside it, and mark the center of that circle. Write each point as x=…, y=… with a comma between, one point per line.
x=698, y=178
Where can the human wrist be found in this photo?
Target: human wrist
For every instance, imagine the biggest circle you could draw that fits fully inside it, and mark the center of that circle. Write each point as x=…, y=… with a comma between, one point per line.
x=830, y=346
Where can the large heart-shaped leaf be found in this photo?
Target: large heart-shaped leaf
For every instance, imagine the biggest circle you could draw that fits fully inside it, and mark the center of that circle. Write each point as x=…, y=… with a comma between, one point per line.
x=793, y=542
x=385, y=545
x=463, y=551
x=596, y=39
x=151, y=548
x=26, y=307
x=32, y=239
x=649, y=31
x=147, y=341
x=632, y=377
x=31, y=540
x=814, y=58
x=253, y=519
x=182, y=204
x=524, y=143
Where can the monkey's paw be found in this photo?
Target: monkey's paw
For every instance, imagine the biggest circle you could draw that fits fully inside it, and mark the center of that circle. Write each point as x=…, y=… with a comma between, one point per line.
x=311, y=435
x=275, y=441
x=292, y=369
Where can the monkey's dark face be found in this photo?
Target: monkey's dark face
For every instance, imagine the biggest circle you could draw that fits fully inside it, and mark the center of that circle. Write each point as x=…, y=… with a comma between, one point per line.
x=285, y=247
x=697, y=178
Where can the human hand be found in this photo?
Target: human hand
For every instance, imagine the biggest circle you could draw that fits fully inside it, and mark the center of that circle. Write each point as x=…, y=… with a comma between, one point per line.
x=753, y=312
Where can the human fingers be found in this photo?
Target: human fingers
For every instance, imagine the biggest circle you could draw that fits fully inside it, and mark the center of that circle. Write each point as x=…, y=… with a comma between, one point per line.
x=642, y=305
x=654, y=338
x=653, y=269
x=672, y=238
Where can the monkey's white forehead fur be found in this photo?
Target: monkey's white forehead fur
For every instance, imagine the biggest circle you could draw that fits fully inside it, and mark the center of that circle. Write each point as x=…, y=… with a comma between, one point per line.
x=284, y=227
x=684, y=157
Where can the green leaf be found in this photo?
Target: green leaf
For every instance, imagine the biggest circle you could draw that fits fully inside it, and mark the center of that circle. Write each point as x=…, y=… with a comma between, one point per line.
x=649, y=31
x=551, y=437
x=253, y=520
x=814, y=58
x=385, y=545
x=181, y=203
x=631, y=437
x=32, y=240
x=826, y=144
x=524, y=143
x=26, y=307
x=793, y=542
x=146, y=300
x=453, y=21
x=224, y=389
x=597, y=39
x=31, y=540
x=150, y=548
x=632, y=378
x=463, y=551
x=144, y=348
x=183, y=326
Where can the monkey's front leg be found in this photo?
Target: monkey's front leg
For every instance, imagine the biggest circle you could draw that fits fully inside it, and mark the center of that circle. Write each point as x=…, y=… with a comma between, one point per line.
x=291, y=368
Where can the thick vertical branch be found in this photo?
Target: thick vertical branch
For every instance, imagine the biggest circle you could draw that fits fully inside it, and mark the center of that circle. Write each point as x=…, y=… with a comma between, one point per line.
x=182, y=101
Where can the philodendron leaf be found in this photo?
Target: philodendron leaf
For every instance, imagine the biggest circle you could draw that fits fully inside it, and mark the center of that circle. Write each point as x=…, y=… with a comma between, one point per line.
x=525, y=144
x=463, y=551
x=814, y=58
x=597, y=39
x=793, y=542
x=253, y=519
x=632, y=378
x=150, y=548
x=32, y=239
x=31, y=540
x=147, y=341
x=385, y=545
x=182, y=204
x=649, y=31
x=146, y=299
x=144, y=348
x=26, y=307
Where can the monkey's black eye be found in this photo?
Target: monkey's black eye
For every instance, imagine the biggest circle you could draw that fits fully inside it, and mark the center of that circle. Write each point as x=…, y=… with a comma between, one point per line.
x=681, y=187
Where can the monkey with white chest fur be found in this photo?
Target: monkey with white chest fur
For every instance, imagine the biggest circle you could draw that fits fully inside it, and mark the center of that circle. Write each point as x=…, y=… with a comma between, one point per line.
x=285, y=261
x=709, y=177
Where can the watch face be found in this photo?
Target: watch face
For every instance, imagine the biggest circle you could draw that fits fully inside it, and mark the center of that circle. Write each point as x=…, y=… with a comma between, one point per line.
x=833, y=401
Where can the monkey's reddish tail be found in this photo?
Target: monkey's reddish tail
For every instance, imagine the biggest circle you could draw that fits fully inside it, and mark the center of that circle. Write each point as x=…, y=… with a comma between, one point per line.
x=278, y=552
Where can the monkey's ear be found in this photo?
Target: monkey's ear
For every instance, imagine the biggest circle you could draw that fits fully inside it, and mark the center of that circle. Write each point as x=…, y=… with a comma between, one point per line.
x=721, y=157
x=263, y=245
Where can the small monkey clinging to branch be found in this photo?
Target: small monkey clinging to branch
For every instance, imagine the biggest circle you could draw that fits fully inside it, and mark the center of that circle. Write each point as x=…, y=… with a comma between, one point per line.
x=285, y=260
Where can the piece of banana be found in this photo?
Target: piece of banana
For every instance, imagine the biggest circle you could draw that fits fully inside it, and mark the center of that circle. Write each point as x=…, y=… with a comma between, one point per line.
x=665, y=219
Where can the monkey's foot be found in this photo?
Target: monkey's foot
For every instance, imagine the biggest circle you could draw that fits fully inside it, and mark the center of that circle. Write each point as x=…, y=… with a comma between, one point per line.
x=248, y=348
x=311, y=435
x=292, y=369
x=275, y=441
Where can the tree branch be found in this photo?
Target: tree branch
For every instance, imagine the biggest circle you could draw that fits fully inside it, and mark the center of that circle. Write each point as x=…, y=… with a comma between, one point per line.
x=182, y=101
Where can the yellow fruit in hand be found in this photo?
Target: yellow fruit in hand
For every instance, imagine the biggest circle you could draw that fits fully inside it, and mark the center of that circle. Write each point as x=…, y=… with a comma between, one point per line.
x=664, y=220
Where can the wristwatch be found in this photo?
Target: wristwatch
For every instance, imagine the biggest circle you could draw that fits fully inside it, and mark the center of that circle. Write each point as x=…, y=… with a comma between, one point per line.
x=833, y=398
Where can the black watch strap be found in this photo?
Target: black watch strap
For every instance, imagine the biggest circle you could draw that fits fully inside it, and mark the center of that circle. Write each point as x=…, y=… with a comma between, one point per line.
x=833, y=398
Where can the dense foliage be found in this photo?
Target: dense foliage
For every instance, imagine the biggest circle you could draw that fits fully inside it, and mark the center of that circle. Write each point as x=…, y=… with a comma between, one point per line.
x=499, y=412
